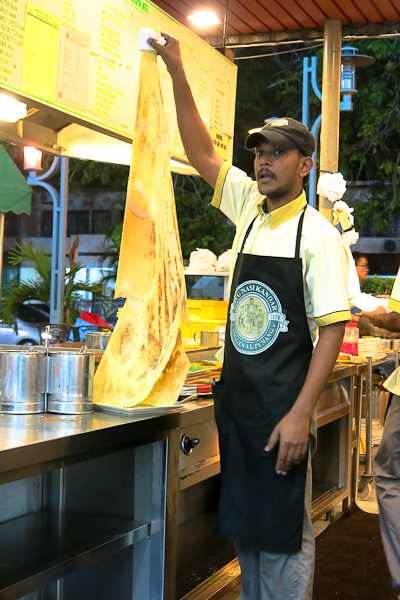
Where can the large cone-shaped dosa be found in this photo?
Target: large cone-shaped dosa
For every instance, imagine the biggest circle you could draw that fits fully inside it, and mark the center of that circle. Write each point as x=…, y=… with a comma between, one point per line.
x=144, y=361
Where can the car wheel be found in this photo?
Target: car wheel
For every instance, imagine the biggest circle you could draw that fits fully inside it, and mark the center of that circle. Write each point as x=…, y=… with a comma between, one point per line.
x=27, y=343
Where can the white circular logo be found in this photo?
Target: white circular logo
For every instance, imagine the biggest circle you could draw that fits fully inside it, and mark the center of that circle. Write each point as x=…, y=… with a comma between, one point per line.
x=256, y=318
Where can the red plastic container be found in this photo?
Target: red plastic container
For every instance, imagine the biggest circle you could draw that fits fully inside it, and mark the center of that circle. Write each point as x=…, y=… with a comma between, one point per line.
x=350, y=339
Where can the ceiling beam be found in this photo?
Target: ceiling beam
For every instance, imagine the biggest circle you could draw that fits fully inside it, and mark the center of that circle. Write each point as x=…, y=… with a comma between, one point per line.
x=305, y=35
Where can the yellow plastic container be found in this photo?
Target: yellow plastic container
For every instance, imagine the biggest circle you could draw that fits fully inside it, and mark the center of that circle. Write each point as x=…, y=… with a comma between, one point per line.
x=208, y=309
x=204, y=314
x=196, y=324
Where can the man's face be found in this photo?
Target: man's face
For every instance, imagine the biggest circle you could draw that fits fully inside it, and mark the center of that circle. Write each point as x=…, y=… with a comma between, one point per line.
x=362, y=268
x=277, y=172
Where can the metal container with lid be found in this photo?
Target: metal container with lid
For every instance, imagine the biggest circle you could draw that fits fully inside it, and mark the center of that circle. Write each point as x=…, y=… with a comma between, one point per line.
x=97, y=340
x=70, y=381
x=22, y=381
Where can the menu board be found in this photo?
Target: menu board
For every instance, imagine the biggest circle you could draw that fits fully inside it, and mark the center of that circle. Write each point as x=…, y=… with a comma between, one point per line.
x=82, y=57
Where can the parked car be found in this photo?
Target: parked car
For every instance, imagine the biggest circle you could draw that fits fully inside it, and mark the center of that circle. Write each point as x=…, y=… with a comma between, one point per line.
x=29, y=317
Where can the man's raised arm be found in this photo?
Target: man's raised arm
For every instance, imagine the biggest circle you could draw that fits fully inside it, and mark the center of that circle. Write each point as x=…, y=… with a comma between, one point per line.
x=195, y=137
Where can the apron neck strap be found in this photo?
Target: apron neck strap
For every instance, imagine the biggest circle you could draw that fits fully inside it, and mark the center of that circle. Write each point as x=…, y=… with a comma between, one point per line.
x=298, y=236
x=299, y=230
x=247, y=234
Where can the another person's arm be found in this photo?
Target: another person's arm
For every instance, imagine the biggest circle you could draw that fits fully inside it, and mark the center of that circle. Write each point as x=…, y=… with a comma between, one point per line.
x=195, y=137
x=385, y=320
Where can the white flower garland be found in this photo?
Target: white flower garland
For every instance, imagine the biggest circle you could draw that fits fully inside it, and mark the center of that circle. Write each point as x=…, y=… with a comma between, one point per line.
x=333, y=187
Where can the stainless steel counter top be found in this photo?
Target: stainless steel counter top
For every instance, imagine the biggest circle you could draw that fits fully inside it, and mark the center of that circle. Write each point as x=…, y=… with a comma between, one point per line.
x=30, y=444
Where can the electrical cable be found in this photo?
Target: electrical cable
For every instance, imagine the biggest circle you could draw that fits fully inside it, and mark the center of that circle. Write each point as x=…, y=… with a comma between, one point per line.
x=348, y=37
x=276, y=53
x=288, y=42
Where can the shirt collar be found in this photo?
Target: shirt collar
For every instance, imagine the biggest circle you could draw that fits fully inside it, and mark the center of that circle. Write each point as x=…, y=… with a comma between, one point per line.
x=286, y=212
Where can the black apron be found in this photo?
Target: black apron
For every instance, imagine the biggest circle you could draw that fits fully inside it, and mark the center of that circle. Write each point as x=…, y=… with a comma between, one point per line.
x=268, y=350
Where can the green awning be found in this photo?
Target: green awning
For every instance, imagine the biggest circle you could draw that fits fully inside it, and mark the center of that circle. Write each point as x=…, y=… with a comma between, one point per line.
x=15, y=193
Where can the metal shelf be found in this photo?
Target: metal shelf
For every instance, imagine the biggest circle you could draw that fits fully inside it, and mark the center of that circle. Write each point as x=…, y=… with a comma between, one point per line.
x=326, y=496
x=47, y=545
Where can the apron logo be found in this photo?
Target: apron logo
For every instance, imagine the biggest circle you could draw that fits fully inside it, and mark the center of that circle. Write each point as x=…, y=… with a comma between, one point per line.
x=256, y=318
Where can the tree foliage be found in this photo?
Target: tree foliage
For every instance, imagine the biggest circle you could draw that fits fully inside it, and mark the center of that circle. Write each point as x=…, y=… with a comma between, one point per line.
x=88, y=173
x=378, y=285
x=369, y=136
x=369, y=147
x=200, y=225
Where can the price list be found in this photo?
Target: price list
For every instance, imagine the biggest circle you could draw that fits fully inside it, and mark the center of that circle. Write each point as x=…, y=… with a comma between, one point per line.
x=83, y=59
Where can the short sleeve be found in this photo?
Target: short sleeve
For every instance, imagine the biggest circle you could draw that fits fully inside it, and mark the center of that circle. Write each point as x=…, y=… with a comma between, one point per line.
x=233, y=190
x=326, y=278
x=394, y=302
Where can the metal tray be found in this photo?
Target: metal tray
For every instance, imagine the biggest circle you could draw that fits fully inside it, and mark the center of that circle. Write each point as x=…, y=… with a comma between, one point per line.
x=150, y=411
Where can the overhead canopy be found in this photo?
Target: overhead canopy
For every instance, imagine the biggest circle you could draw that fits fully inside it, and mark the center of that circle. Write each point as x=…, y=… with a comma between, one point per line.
x=15, y=193
x=257, y=21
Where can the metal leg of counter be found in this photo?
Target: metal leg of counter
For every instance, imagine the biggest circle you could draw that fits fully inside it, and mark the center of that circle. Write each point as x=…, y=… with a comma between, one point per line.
x=355, y=460
x=364, y=408
x=198, y=564
x=367, y=475
x=171, y=520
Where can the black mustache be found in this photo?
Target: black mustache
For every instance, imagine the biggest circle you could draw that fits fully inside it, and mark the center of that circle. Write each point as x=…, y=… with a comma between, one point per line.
x=265, y=172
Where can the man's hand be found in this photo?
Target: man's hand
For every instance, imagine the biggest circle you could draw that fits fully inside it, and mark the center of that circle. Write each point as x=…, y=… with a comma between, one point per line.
x=292, y=433
x=170, y=53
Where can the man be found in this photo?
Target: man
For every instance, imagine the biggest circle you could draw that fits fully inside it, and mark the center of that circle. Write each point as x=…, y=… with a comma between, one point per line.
x=289, y=262
x=362, y=269
x=362, y=266
x=387, y=459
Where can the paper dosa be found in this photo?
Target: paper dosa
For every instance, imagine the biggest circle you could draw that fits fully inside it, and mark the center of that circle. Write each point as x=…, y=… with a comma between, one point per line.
x=144, y=360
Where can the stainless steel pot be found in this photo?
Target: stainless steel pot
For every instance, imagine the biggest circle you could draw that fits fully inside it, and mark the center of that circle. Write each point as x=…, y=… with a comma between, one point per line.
x=22, y=381
x=70, y=381
x=97, y=340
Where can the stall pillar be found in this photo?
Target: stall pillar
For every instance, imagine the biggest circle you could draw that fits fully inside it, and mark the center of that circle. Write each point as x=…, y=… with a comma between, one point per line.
x=329, y=154
x=60, y=212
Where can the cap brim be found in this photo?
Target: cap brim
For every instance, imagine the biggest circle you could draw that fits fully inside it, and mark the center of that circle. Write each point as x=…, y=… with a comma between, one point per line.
x=278, y=141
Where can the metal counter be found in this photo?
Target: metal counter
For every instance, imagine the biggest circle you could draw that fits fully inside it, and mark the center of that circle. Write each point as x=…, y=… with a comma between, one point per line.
x=82, y=506
x=31, y=444
x=100, y=491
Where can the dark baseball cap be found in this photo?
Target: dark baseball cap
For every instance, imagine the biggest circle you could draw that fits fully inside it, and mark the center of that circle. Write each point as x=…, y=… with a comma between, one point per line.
x=284, y=134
